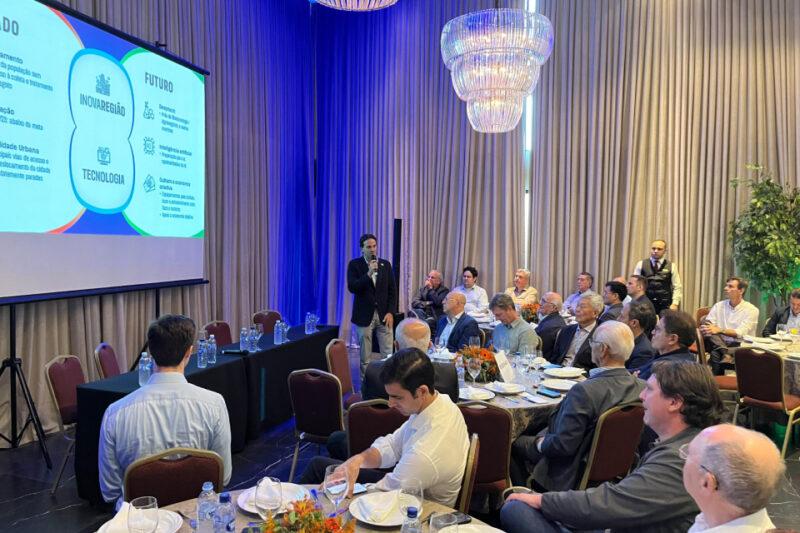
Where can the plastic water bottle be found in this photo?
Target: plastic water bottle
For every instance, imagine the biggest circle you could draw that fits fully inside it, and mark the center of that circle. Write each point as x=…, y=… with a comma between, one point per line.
x=309, y=323
x=411, y=523
x=244, y=344
x=460, y=372
x=278, y=333
x=225, y=517
x=253, y=338
x=145, y=368
x=206, y=508
x=202, y=354
x=211, y=350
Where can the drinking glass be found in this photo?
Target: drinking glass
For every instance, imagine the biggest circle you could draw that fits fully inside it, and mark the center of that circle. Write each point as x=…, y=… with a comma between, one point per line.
x=474, y=368
x=411, y=495
x=783, y=331
x=440, y=346
x=253, y=338
x=143, y=515
x=335, y=485
x=501, y=345
x=243, y=344
x=260, y=329
x=474, y=341
x=440, y=521
x=268, y=497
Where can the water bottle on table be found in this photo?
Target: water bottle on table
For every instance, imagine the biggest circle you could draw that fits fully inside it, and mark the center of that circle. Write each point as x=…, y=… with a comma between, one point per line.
x=211, y=350
x=206, y=508
x=411, y=523
x=244, y=343
x=225, y=517
x=202, y=353
x=253, y=338
x=145, y=368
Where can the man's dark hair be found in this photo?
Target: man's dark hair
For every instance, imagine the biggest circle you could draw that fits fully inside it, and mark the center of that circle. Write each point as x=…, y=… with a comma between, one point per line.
x=471, y=270
x=681, y=324
x=168, y=338
x=502, y=301
x=795, y=294
x=641, y=280
x=591, y=278
x=740, y=283
x=694, y=384
x=618, y=288
x=410, y=368
x=364, y=238
x=644, y=313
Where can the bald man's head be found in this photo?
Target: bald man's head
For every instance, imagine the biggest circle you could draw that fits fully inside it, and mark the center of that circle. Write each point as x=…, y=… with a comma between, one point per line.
x=413, y=333
x=454, y=303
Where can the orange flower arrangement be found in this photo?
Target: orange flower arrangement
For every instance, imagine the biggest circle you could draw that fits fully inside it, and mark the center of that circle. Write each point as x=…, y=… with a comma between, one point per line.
x=305, y=516
x=489, y=368
x=529, y=312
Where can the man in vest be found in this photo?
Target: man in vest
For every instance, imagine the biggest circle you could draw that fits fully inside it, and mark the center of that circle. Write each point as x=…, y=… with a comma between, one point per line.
x=664, y=286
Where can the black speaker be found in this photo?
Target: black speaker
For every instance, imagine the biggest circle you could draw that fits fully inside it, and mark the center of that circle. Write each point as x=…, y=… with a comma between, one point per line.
x=396, y=242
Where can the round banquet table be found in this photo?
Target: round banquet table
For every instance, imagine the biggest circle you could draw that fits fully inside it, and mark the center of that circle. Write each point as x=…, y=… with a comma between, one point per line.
x=790, y=353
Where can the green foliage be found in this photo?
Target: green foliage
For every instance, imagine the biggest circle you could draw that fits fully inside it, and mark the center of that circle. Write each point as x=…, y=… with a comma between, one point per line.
x=766, y=235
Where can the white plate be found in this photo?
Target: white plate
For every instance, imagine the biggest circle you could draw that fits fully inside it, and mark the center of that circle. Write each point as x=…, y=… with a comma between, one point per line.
x=761, y=340
x=168, y=522
x=561, y=385
x=568, y=372
x=471, y=528
x=394, y=519
x=505, y=388
x=475, y=393
x=443, y=356
x=289, y=492
x=779, y=338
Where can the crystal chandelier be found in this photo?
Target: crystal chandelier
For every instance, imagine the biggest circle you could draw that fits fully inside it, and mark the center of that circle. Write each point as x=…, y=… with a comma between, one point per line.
x=357, y=5
x=494, y=57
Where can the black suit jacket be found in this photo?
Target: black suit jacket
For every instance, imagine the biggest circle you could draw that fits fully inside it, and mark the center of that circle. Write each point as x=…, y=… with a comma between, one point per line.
x=642, y=354
x=547, y=330
x=583, y=357
x=678, y=355
x=571, y=427
x=780, y=316
x=445, y=381
x=367, y=298
x=465, y=327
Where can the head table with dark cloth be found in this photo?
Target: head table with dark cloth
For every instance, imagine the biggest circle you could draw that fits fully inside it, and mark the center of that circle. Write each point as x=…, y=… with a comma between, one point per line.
x=254, y=387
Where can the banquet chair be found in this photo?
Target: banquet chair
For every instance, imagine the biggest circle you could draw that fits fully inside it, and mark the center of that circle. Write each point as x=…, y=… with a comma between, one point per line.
x=468, y=481
x=366, y=421
x=760, y=377
x=63, y=375
x=316, y=398
x=105, y=359
x=267, y=318
x=339, y=365
x=614, y=444
x=700, y=314
x=725, y=383
x=221, y=331
x=482, y=333
x=174, y=475
x=493, y=425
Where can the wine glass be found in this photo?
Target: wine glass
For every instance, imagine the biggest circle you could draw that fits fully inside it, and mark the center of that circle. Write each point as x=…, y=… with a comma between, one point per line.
x=441, y=521
x=335, y=485
x=268, y=497
x=143, y=515
x=474, y=368
x=474, y=341
x=411, y=495
x=783, y=331
x=440, y=345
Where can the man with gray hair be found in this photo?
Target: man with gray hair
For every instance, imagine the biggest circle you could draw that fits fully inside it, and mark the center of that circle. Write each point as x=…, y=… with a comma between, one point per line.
x=559, y=450
x=572, y=346
x=428, y=302
x=550, y=321
x=512, y=332
x=412, y=333
x=522, y=293
x=731, y=473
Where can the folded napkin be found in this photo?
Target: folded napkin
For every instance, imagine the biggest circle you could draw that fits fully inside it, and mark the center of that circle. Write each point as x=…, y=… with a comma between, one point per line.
x=505, y=387
x=119, y=524
x=377, y=507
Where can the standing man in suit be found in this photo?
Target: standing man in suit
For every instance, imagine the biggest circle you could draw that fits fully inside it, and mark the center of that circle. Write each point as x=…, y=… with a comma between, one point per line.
x=550, y=322
x=456, y=327
x=664, y=287
x=371, y=281
x=572, y=346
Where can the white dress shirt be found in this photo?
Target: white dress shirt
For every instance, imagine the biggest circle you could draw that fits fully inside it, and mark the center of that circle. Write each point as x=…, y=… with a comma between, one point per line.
x=793, y=321
x=448, y=329
x=430, y=447
x=477, y=299
x=677, y=285
x=167, y=412
x=573, y=299
x=529, y=295
x=577, y=342
x=757, y=522
x=743, y=318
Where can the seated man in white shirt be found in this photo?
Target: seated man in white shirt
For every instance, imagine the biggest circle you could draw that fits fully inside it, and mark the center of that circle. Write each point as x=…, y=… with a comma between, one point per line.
x=167, y=412
x=583, y=284
x=727, y=322
x=477, y=299
x=731, y=473
x=429, y=448
x=522, y=293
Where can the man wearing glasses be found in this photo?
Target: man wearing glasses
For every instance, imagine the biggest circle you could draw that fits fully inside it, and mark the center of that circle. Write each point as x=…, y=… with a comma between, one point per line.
x=429, y=299
x=550, y=322
x=680, y=399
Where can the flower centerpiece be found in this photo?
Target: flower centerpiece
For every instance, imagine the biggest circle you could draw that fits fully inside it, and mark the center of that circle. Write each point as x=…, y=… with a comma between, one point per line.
x=529, y=312
x=489, y=368
x=305, y=516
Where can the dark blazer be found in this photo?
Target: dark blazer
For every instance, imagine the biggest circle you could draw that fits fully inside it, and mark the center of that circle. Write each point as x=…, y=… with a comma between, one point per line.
x=612, y=313
x=780, y=316
x=465, y=327
x=583, y=357
x=367, y=298
x=445, y=381
x=547, y=330
x=677, y=355
x=430, y=300
x=570, y=430
x=642, y=354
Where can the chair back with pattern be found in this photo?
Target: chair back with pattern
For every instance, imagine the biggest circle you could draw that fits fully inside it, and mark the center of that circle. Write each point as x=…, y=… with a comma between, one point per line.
x=700, y=314
x=470, y=471
x=494, y=426
x=339, y=363
x=366, y=421
x=106, y=360
x=64, y=374
x=174, y=475
x=702, y=358
x=267, y=318
x=614, y=444
x=759, y=375
x=316, y=398
x=221, y=331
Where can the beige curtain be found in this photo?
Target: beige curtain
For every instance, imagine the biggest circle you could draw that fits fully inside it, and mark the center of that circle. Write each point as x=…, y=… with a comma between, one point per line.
x=644, y=112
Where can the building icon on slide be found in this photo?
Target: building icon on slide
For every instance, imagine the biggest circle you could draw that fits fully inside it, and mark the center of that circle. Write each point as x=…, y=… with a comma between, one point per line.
x=103, y=85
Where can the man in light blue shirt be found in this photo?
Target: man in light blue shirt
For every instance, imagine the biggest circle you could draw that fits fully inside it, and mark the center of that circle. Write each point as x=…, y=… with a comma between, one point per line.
x=512, y=332
x=167, y=412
